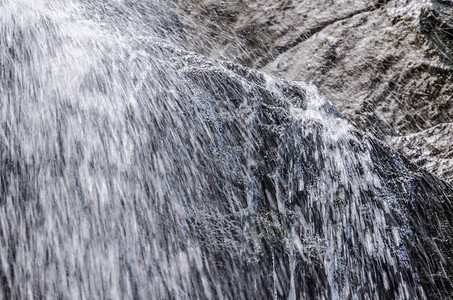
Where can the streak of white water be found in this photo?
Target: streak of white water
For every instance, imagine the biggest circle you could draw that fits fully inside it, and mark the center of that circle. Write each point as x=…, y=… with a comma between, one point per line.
x=133, y=168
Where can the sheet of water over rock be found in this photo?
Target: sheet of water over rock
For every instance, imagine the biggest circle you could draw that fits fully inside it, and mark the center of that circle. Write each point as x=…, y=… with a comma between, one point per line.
x=132, y=168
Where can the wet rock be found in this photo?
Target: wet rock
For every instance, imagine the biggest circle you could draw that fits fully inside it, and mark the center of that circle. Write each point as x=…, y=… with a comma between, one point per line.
x=383, y=64
x=431, y=148
x=437, y=25
x=407, y=202
x=131, y=168
x=381, y=71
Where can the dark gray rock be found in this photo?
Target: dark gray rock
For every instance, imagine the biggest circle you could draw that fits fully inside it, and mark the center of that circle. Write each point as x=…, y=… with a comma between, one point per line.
x=437, y=25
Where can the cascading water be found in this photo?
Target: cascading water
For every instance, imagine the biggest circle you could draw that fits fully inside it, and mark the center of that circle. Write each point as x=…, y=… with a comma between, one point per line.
x=134, y=168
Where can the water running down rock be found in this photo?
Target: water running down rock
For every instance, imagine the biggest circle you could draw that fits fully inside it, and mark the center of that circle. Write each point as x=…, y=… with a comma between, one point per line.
x=134, y=168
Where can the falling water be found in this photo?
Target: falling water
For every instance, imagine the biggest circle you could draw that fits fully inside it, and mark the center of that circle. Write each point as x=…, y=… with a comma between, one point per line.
x=133, y=168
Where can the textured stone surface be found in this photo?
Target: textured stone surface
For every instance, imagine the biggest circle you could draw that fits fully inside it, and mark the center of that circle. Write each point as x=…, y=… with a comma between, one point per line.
x=431, y=148
x=132, y=169
x=383, y=64
x=255, y=32
x=381, y=71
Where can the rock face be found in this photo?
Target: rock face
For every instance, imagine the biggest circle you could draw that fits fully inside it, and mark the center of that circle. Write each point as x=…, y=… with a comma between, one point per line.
x=437, y=25
x=255, y=32
x=131, y=168
x=431, y=148
x=385, y=65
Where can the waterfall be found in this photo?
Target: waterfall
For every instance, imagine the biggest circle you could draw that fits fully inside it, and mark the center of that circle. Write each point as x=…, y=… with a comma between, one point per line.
x=132, y=167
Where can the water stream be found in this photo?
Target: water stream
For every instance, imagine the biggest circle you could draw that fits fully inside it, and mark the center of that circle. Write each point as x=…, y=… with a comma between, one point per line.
x=134, y=168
